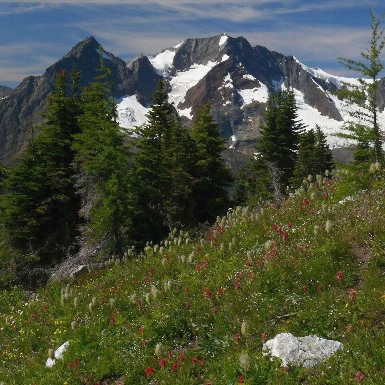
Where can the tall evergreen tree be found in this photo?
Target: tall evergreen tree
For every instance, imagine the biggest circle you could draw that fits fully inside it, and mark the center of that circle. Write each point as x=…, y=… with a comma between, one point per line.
x=364, y=126
x=3, y=175
x=161, y=178
x=212, y=177
x=40, y=206
x=102, y=164
x=314, y=156
x=279, y=141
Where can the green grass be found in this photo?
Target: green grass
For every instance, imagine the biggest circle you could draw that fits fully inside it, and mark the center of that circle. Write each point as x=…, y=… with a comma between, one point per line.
x=175, y=315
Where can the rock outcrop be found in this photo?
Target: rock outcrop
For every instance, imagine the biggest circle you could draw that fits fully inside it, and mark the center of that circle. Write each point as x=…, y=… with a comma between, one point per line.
x=301, y=351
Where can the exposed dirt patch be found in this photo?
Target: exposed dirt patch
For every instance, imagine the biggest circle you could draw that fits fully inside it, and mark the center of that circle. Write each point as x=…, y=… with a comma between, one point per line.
x=119, y=381
x=363, y=254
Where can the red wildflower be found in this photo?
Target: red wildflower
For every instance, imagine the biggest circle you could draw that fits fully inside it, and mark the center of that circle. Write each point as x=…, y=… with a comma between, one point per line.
x=144, y=342
x=339, y=276
x=75, y=363
x=181, y=358
x=352, y=294
x=360, y=376
x=237, y=285
x=175, y=366
x=263, y=336
x=237, y=337
x=194, y=359
x=287, y=368
x=112, y=320
x=241, y=380
x=162, y=362
x=141, y=331
x=201, y=361
x=150, y=371
x=215, y=310
x=207, y=293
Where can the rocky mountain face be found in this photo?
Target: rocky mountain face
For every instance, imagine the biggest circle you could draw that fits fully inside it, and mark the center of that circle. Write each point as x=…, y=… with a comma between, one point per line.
x=5, y=92
x=227, y=72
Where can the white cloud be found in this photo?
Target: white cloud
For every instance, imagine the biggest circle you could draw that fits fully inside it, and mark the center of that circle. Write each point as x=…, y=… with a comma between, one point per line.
x=128, y=27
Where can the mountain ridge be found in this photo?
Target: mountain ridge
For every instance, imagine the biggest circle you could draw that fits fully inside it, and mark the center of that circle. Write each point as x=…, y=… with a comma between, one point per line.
x=227, y=72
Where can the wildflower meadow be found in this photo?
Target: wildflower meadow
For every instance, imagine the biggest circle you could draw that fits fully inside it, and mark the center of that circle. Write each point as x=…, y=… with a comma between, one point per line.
x=197, y=308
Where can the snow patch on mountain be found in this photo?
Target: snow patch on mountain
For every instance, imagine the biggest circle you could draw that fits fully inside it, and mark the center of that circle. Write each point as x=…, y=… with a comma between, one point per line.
x=162, y=62
x=184, y=80
x=227, y=82
x=310, y=116
x=249, y=77
x=130, y=112
x=259, y=94
x=278, y=84
x=338, y=81
x=223, y=40
x=225, y=57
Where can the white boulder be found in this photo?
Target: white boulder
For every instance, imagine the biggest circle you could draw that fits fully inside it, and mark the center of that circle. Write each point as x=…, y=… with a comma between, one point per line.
x=302, y=351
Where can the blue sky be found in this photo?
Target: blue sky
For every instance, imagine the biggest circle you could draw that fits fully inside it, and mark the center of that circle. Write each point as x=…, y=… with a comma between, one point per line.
x=34, y=35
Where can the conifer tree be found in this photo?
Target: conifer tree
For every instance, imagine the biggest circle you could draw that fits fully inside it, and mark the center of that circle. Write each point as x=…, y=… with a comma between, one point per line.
x=212, y=177
x=40, y=206
x=364, y=127
x=3, y=175
x=278, y=144
x=161, y=177
x=323, y=153
x=314, y=156
x=102, y=165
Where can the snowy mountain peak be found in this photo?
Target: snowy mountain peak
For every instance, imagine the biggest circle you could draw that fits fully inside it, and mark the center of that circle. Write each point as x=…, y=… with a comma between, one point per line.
x=227, y=72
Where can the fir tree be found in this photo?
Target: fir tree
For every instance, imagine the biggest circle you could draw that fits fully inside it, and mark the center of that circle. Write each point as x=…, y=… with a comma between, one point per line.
x=314, y=156
x=323, y=153
x=102, y=164
x=161, y=177
x=40, y=206
x=364, y=127
x=278, y=144
x=3, y=175
x=212, y=177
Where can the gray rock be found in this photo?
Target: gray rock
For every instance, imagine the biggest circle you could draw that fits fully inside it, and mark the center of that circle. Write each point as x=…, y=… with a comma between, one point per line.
x=79, y=270
x=302, y=351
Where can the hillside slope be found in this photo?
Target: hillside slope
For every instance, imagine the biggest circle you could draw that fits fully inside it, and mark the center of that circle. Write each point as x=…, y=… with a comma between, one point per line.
x=197, y=308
